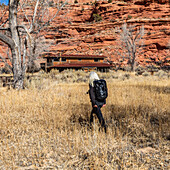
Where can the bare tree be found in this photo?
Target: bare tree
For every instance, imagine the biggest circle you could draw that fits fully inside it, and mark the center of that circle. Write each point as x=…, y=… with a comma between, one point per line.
x=22, y=37
x=131, y=42
x=42, y=17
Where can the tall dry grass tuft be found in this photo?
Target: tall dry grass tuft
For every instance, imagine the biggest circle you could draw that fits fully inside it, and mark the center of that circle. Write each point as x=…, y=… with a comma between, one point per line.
x=46, y=126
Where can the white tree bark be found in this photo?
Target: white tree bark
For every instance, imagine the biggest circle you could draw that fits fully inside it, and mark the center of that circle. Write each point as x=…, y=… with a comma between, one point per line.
x=16, y=48
x=131, y=43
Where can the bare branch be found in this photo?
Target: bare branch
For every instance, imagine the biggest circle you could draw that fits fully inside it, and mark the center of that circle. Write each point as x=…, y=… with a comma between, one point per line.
x=24, y=56
x=7, y=40
x=27, y=31
x=7, y=29
x=131, y=42
x=137, y=34
x=5, y=62
x=50, y=20
x=3, y=15
x=25, y=14
x=35, y=13
x=8, y=55
x=5, y=22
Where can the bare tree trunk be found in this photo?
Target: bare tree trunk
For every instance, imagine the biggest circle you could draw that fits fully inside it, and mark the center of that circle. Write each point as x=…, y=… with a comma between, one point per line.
x=133, y=62
x=16, y=49
x=17, y=70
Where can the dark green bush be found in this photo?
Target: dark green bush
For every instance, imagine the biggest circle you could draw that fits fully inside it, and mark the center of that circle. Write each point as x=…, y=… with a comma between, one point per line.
x=148, y=33
x=97, y=17
x=129, y=17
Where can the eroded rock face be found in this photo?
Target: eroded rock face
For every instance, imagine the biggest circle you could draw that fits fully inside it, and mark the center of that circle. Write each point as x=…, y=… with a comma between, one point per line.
x=92, y=28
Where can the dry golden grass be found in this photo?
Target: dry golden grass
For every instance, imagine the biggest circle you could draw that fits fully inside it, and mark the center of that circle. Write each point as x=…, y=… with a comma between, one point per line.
x=46, y=126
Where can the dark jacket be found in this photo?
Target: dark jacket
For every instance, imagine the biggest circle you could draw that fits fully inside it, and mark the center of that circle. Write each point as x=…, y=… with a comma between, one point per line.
x=93, y=98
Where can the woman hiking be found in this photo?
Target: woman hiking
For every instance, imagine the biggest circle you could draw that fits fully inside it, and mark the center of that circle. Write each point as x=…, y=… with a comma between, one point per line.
x=98, y=95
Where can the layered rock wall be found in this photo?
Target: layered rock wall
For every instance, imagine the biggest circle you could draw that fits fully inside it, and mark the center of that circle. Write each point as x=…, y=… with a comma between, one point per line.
x=89, y=27
x=92, y=29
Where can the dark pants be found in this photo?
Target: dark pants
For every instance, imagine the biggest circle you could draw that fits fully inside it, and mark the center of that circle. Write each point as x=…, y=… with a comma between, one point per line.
x=97, y=111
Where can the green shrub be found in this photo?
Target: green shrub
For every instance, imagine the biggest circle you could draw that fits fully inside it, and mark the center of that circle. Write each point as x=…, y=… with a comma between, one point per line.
x=97, y=17
x=148, y=33
x=82, y=9
x=129, y=17
x=109, y=1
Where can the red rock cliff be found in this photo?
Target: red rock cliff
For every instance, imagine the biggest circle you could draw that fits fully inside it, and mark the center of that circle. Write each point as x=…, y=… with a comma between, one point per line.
x=81, y=32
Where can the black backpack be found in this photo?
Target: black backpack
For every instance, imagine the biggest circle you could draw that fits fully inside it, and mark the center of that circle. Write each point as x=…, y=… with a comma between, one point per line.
x=100, y=89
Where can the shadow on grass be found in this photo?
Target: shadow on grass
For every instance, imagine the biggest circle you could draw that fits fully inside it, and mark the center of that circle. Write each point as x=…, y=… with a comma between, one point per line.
x=140, y=123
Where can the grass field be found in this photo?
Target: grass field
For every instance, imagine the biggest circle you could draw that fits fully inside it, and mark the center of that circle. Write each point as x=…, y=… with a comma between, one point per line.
x=46, y=126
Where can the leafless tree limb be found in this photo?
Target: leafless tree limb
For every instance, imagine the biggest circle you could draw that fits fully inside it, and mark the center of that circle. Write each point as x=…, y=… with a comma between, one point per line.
x=130, y=43
x=8, y=55
x=2, y=29
x=34, y=16
x=6, y=63
x=6, y=40
x=4, y=22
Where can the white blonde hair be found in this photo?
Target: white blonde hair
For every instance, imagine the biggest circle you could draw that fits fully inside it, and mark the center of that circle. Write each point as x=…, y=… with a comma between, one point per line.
x=93, y=76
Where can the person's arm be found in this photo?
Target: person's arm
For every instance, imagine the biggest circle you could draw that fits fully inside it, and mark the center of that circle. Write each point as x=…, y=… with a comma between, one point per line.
x=92, y=96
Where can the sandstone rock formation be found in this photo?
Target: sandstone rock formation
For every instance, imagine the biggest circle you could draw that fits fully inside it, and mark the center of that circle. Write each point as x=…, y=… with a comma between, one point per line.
x=90, y=27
